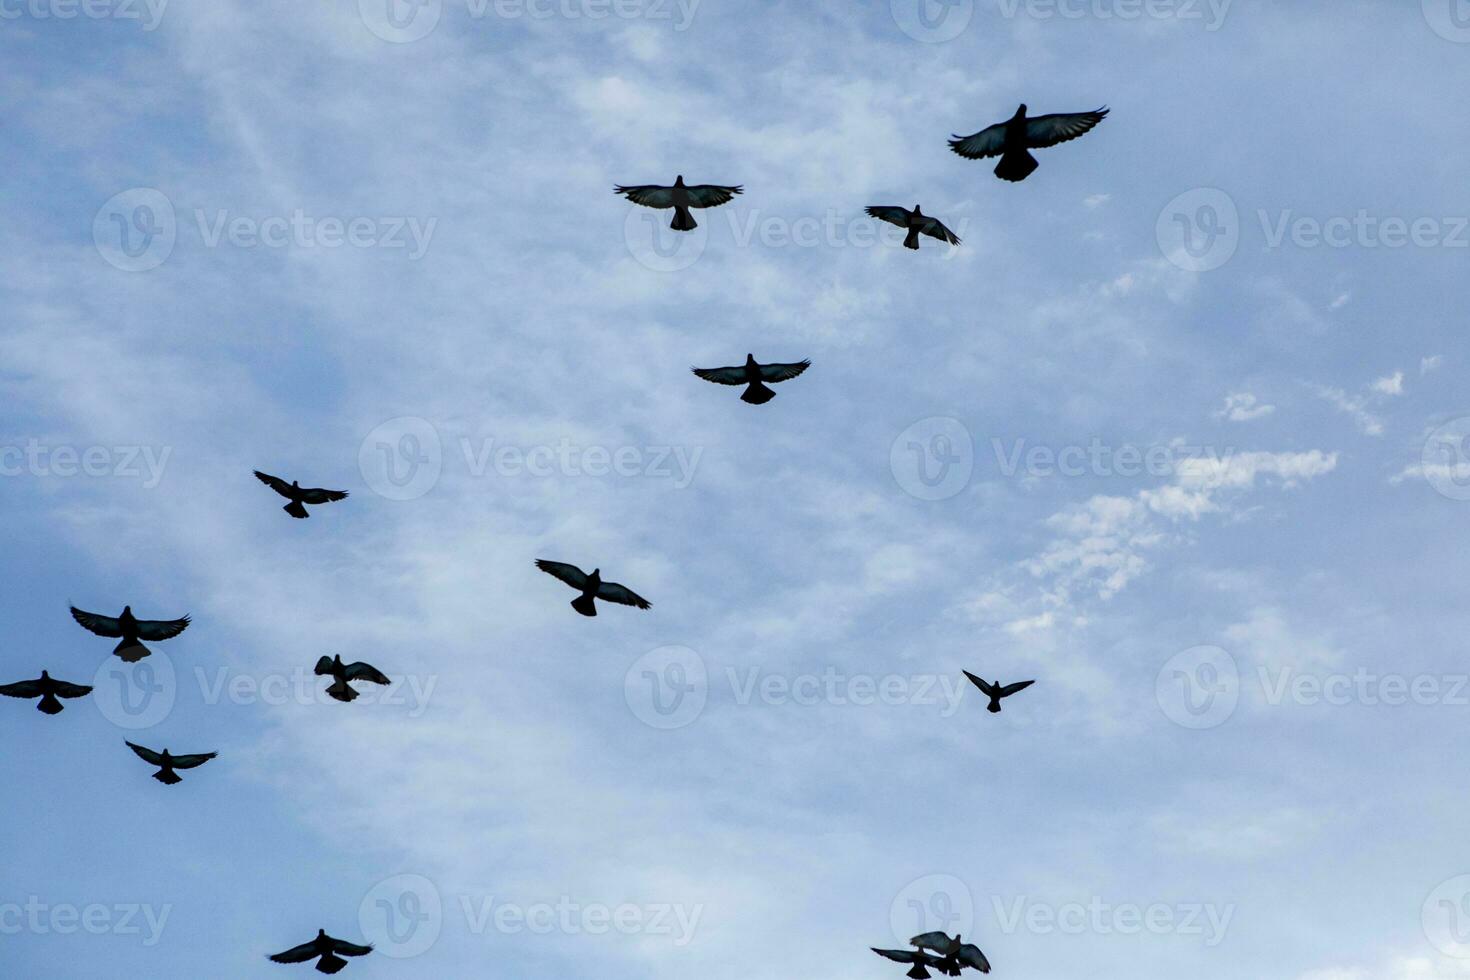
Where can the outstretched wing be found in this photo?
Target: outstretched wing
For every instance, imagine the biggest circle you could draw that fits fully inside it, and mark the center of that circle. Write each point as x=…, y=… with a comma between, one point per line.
x=712, y=195
x=101, y=625
x=343, y=948
x=891, y=214
x=192, y=761
x=621, y=594
x=783, y=372
x=65, y=689
x=147, y=755
x=905, y=956
x=277, y=484
x=365, y=672
x=934, y=228
x=1010, y=689
x=297, y=954
x=989, y=142
x=722, y=376
x=570, y=574
x=161, y=629
x=1044, y=131
x=23, y=689
x=970, y=955
x=648, y=195
x=323, y=666
x=318, y=496
x=937, y=941
x=989, y=691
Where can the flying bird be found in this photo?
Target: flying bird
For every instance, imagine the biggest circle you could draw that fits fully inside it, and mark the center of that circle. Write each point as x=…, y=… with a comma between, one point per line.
x=48, y=689
x=131, y=629
x=918, y=958
x=299, y=495
x=341, y=673
x=754, y=376
x=167, y=763
x=681, y=197
x=329, y=950
x=1013, y=139
x=956, y=954
x=592, y=587
x=917, y=223
x=995, y=692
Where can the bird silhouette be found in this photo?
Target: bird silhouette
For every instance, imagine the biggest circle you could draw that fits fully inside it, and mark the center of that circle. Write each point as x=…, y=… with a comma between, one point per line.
x=48, y=689
x=592, y=587
x=341, y=673
x=1014, y=139
x=299, y=495
x=681, y=197
x=955, y=954
x=754, y=376
x=918, y=958
x=131, y=629
x=916, y=221
x=995, y=692
x=326, y=950
x=167, y=763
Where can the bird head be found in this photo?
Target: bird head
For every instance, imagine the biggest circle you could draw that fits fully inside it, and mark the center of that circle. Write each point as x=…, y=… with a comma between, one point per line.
x=45, y=676
x=295, y=485
x=679, y=181
x=749, y=358
x=917, y=209
x=1021, y=111
x=127, y=610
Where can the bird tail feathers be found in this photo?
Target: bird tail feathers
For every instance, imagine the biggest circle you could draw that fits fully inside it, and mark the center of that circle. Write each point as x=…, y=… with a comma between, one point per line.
x=757, y=394
x=342, y=692
x=584, y=605
x=912, y=241
x=330, y=963
x=131, y=651
x=167, y=776
x=918, y=972
x=683, y=220
x=1016, y=166
x=49, y=705
x=295, y=509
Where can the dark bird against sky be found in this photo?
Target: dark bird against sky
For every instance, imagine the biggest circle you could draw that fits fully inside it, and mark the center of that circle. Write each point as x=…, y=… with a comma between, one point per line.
x=592, y=587
x=921, y=961
x=298, y=494
x=956, y=954
x=681, y=197
x=1013, y=139
x=995, y=692
x=916, y=221
x=167, y=763
x=48, y=689
x=755, y=376
x=131, y=629
x=341, y=673
x=325, y=949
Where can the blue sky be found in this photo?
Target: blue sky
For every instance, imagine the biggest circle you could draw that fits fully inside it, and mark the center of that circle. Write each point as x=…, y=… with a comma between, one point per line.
x=1177, y=431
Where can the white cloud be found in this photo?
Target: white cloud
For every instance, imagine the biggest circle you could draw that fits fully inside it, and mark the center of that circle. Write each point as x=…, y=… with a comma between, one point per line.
x=1391, y=385
x=1243, y=407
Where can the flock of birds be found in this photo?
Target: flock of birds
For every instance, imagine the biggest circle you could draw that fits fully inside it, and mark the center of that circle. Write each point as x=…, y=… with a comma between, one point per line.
x=1011, y=141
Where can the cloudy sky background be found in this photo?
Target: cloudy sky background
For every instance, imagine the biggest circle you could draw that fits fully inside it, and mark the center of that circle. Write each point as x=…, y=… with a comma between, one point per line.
x=1244, y=415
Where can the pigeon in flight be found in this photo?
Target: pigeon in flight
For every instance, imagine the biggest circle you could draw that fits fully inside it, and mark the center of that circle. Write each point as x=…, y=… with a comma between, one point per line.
x=299, y=495
x=956, y=954
x=167, y=763
x=341, y=673
x=681, y=197
x=753, y=375
x=1013, y=139
x=918, y=958
x=916, y=221
x=131, y=629
x=592, y=587
x=48, y=689
x=329, y=949
x=995, y=692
